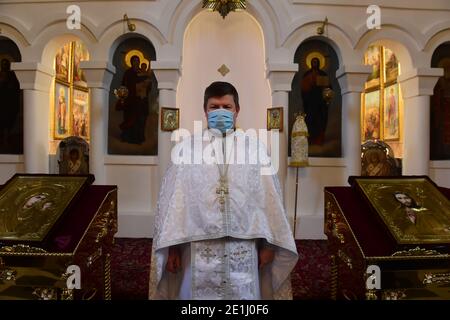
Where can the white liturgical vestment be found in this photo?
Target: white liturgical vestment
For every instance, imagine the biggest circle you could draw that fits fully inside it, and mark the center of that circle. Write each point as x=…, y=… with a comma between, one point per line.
x=219, y=230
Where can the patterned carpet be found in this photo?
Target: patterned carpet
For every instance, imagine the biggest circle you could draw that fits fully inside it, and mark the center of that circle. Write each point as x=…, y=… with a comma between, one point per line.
x=131, y=262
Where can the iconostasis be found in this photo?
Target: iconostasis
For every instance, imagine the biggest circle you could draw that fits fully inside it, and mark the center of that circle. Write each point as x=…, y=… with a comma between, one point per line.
x=382, y=103
x=70, y=102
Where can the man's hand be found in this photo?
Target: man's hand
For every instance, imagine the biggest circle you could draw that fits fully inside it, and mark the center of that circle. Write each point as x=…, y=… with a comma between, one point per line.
x=174, y=260
x=266, y=256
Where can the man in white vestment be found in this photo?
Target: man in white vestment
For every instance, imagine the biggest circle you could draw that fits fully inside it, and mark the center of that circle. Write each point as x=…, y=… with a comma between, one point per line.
x=221, y=230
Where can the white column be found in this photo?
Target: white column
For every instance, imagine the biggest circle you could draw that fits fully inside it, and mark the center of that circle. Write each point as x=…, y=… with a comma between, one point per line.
x=281, y=99
x=167, y=73
x=280, y=77
x=417, y=86
x=167, y=99
x=351, y=80
x=99, y=75
x=35, y=80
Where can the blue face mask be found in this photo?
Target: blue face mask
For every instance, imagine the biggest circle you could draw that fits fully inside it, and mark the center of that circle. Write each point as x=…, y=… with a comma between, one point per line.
x=221, y=120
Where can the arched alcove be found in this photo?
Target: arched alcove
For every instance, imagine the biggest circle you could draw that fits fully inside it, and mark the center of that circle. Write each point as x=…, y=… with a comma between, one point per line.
x=323, y=118
x=440, y=106
x=11, y=98
x=237, y=43
x=133, y=122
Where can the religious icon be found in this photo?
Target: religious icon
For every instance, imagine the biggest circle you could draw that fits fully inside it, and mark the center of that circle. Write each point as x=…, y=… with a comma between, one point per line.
x=413, y=209
x=372, y=58
x=378, y=159
x=62, y=63
x=371, y=116
x=315, y=86
x=391, y=113
x=275, y=119
x=391, y=66
x=80, y=53
x=135, y=107
x=61, y=111
x=73, y=156
x=170, y=119
x=32, y=204
x=80, y=113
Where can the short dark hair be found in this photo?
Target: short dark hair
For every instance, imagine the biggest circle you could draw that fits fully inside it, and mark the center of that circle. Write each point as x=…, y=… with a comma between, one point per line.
x=220, y=89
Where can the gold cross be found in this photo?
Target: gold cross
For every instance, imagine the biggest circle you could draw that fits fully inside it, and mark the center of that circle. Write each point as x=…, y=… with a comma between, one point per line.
x=222, y=191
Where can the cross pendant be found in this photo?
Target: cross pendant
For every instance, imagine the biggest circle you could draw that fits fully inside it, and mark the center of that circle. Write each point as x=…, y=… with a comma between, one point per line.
x=222, y=191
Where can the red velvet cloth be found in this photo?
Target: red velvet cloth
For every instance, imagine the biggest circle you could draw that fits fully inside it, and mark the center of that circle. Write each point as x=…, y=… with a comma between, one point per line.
x=374, y=238
x=73, y=225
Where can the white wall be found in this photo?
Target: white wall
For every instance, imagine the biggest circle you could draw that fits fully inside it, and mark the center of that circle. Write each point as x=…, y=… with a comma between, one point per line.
x=440, y=173
x=238, y=43
x=200, y=43
x=137, y=179
x=10, y=165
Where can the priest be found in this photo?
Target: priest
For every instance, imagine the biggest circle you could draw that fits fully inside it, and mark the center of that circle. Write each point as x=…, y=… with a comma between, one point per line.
x=221, y=231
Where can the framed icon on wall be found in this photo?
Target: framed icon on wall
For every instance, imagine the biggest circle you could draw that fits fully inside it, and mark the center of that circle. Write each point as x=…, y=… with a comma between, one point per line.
x=275, y=118
x=170, y=119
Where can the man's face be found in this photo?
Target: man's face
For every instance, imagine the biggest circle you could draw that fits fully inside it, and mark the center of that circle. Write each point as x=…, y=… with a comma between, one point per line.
x=404, y=199
x=225, y=102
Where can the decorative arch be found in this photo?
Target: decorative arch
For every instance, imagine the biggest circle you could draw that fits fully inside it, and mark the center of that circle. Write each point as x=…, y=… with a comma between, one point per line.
x=405, y=47
x=337, y=38
x=416, y=39
x=261, y=11
x=15, y=31
x=52, y=38
x=114, y=35
x=438, y=35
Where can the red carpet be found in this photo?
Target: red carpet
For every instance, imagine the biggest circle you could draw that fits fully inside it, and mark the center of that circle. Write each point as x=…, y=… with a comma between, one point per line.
x=131, y=263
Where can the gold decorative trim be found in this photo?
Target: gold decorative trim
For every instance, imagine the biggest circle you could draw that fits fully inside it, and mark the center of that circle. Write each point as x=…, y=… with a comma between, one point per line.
x=409, y=258
x=95, y=217
x=345, y=258
x=371, y=294
x=94, y=257
x=347, y=224
x=300, y=134
x=394, y=294
x=417, y=251
x=299, y=164
x=436, y=278
x=107, y=275
x=67, y=294
x=334, y=277
x=7, y=274
x=45, y=293
x=21, y=248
